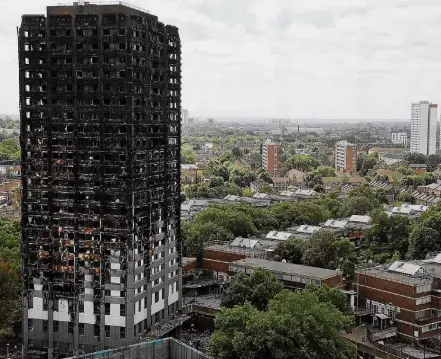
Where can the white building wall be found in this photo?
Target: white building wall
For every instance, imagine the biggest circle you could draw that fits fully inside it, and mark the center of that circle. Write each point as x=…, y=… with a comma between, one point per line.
x=88, y=316
x=114, y=319
x=37, y=312
x=423, y=128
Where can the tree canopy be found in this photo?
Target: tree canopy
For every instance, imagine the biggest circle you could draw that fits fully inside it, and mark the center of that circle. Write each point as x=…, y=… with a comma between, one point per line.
x=300, y=325
x=9, y=150
x=10, y=277
x=257, y=289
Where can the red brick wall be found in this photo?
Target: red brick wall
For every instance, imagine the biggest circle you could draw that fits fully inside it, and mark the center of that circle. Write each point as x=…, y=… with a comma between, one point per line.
x=334, y=282
x=222, y=256
x=214, y=265
x=191, y=265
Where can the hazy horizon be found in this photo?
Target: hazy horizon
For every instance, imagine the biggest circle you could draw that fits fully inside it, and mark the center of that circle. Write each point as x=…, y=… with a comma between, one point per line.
x=340, y=59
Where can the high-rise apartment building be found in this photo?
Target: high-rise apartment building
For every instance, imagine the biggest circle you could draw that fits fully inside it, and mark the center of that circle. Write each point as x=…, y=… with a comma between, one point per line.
x=423, y=127
x=345, y=157
x=100, y=100
x=270, y=157
x=399, y=138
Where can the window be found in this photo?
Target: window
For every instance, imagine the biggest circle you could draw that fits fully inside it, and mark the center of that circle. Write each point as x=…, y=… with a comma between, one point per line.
x=81, y=328
x=122, y=333
x=107, y=308
x=96, y=330
x=420, y=314
x=56, y=326
x=107, y=293
x=44, y=303
x=145, y=302
x=139, y=306
x=81, y=307
x=30, y=324
x=107, y=330
x=45, y=326
x=156, y=297
x=30, y=302
x=423, y=300
x=122, y=310
x=70, y=328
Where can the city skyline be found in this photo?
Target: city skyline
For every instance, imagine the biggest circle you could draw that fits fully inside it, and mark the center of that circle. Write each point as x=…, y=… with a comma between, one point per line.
x=300, y=60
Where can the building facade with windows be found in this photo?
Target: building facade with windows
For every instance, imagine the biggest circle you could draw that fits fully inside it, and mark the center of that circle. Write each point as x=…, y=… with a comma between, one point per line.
x=100, y=100
x=404, y=295
x=345, y=157
x=423, y=127
x=399, y=138
x=270, y=157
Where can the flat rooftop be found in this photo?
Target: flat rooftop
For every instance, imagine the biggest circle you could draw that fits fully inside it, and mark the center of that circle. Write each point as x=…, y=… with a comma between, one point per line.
x=395, y=276
x=285, y=268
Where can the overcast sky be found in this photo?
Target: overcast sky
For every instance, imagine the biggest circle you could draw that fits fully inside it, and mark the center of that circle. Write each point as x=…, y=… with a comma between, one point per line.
x=285, y=58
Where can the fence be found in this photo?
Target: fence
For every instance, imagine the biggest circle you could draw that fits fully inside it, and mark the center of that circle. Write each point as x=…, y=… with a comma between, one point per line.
x=168, y=348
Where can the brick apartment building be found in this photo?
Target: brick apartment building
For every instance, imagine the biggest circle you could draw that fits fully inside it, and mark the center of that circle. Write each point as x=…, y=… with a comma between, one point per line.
x=270, y=157
x=294, y=276
x=406, y=295
x=345, y=157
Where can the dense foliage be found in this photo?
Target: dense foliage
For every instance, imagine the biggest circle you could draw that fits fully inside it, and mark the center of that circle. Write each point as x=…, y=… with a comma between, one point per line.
x=303, y=324
x=10, y=277
x=257, y=289
x=9, y=150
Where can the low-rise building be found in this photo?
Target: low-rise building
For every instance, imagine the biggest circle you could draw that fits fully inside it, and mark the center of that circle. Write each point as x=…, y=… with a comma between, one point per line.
x=281, y=183
x=419, y=168
x=293, y=275
x=296, y=176
x=407, y=295
x=391, y=158
x=399, y=138
x=336, y=226
x=408, y=210
x=191, y=174
x=279, y=236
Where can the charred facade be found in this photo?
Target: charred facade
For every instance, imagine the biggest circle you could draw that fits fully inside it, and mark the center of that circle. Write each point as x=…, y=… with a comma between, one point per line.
x=100, y=93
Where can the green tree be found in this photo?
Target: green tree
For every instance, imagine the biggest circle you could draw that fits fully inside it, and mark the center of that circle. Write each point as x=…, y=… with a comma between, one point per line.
x=236, y=152
x=302, y=163
x=313, y=179
x=10, y=277
x=320, y=249
x=406, y=197
x=388, y=235
x=358, y=205
x=291, y=250
x=9, y=150
x=257, y=289
x=296, y=325
x=326, y=294
x=407, y=171
x=414, y=157
x=196, y=235
x=234, y=221
x=423, y=240
x=296, y=213
x=325, y=171
x=187, y=154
